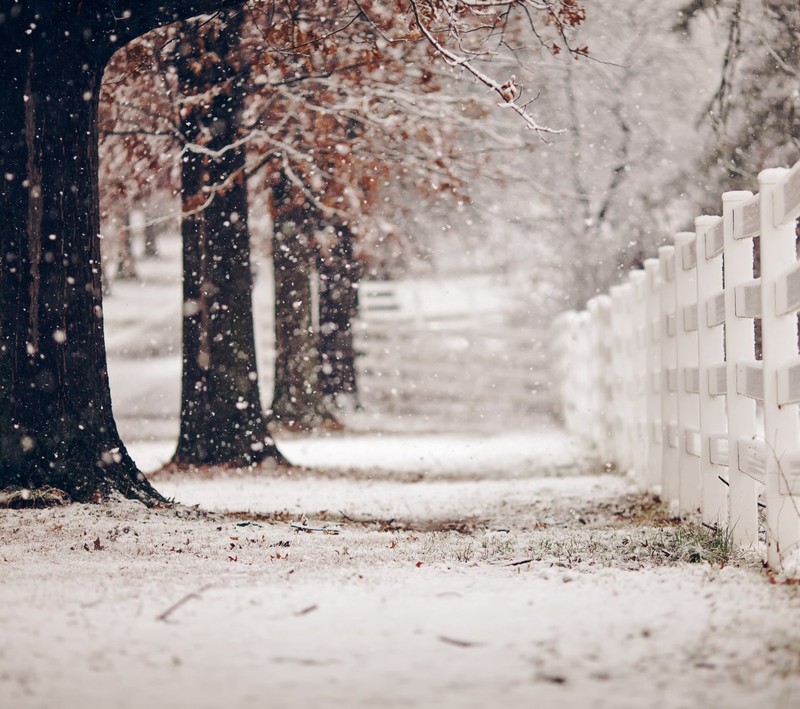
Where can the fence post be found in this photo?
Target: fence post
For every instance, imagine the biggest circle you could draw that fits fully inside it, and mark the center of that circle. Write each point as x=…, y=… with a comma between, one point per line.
x=688, y=384
x=739, y=347
x=711, y=363
x=606, y=378
x=670, y=488
x=654, y=377
x=584, y=400
x=618, y=434
x=627, y=375
x=596, y=365
x=779, y=347
x=559, y=347
x=638, y=343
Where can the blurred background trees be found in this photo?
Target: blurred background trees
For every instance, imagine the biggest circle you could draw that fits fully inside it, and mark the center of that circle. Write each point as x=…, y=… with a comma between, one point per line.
x=364, y=159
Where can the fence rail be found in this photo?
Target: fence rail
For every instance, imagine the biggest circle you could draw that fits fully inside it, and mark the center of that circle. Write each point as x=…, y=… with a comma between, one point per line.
x=662, y=376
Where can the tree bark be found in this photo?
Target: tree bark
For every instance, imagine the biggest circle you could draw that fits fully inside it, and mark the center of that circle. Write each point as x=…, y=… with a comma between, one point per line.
x=56, y=424
x=338, y=305
x=298, y=402
x=221, y=418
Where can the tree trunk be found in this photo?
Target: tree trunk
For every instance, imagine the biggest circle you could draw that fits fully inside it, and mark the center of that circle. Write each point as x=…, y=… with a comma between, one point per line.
x=338, y=305
x=126, y=262
x=150, y=240
x=56, y=425
x=298, y=403
x=221, y=418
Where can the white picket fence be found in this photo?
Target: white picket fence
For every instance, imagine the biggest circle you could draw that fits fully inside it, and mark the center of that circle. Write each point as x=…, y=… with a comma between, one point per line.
x=661, y=375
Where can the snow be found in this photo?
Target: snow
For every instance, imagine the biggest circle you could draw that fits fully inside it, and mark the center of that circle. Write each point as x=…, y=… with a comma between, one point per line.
x=469, y=553
x=369, y=617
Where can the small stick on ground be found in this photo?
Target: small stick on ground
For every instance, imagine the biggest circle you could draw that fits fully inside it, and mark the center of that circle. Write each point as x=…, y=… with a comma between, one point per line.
x=305, y=528
x=365, y=520
x=520, y=562
x=189, y=596
x=459, y=643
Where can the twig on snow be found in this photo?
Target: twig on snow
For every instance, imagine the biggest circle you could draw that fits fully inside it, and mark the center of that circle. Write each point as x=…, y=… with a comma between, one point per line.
x=306, y=528
x=520, y=562
x=189, y=596
x=459, y=643
x=365, y=520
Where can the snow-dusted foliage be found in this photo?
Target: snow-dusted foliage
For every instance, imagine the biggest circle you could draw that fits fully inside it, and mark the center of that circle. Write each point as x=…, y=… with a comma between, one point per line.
x=753, y=117
x=630, y=111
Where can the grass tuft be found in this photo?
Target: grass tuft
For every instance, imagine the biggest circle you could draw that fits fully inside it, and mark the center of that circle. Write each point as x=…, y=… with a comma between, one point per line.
x=33, y=498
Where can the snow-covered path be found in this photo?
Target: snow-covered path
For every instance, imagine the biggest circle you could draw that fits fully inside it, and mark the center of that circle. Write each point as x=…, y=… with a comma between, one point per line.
x=455, y=549
x=515, y=593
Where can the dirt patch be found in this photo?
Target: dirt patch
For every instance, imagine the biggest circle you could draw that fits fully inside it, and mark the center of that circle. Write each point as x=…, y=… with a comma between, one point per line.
x=640, y=509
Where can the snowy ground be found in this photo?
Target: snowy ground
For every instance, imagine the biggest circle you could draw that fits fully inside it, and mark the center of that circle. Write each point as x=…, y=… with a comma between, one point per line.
x=455, y=549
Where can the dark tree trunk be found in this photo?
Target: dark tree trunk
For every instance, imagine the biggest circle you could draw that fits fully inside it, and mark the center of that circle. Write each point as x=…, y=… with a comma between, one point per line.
x=338, y=305
x=221, y=418
x=126, y=263
x=56, y=425
x=150, y=240
x=298, y=402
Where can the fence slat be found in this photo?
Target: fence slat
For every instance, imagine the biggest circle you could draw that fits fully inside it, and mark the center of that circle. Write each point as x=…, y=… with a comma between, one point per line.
x=787, y=197
x=790, y=464
x=748, y=299
x=654, y=391
x=752, y=458
x=688, y=401
x=779, y=342
x=739, y=347
x=690, y=318
x=789, y=383
x=691, y=380
x=712, y=378
x=746, y=218
x=714, y=239
x=693, y=442
x=670, y=487
x=718, y=380
x=715, y=309
x=718, y=453
x=637, y=304
x=750, y=380
x=787, y=291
